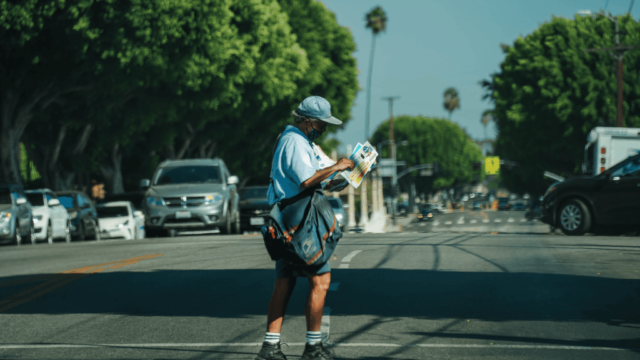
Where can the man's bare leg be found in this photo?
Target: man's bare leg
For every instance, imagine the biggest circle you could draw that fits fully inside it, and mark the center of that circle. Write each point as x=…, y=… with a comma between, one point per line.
x=278, y=305
x=318, y=287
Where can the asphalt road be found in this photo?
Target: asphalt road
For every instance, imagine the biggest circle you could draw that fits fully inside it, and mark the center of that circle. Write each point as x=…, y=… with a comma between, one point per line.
x=482, y=221
x=435, y=295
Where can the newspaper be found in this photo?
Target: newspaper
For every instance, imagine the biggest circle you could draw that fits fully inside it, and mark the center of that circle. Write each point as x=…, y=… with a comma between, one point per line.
x=364, y=156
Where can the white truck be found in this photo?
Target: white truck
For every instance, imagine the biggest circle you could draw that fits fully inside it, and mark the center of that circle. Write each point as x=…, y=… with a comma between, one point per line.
x=607, y=146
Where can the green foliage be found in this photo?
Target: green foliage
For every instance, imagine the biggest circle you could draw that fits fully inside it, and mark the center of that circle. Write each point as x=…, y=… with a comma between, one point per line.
x=432, y=139
x=451, y=101
x=549, y=94
x=376, y=20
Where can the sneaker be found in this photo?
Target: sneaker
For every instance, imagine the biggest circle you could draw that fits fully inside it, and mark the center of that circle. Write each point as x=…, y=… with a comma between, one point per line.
x=271, y=352
x=316, y=352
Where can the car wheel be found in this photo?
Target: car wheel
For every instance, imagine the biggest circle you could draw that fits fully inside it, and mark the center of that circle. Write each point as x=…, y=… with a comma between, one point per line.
x=81, y=232
x=237, y=228
x=50, y=233
x=574, y=217
x=67, y=232
x=226, y=228
x=17, y=238
x=32, y=234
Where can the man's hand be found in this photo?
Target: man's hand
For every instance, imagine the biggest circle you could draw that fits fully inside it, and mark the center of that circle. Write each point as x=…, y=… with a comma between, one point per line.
x=344, y=164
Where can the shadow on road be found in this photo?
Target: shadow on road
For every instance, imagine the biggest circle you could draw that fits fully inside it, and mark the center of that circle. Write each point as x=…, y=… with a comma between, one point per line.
x=384, y=293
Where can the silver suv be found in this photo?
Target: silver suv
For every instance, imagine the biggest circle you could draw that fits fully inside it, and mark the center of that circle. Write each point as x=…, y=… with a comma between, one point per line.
x=196, y=194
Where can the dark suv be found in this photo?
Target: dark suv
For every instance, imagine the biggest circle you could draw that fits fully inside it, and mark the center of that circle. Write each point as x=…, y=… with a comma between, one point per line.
x=82, y=214
x=16, y=218
x=613, y=197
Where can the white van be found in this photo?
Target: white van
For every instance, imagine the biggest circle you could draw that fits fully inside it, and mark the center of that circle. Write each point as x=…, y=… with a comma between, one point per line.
x=607, y=146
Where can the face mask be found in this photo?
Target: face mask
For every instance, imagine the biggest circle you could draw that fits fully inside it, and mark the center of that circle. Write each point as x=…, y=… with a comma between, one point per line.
x=314, y=134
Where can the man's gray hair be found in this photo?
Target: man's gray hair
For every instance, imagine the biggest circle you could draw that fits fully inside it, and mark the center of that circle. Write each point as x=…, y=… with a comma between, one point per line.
x=299, y=118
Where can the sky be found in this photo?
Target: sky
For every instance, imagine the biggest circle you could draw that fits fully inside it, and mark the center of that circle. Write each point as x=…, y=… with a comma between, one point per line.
x=432, y=45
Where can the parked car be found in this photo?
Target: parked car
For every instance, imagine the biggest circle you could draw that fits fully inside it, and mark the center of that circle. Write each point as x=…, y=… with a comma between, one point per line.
x=254, y=207
x=477, y=205
x=534, y=211
x=135, y=197
x=191, y=194
x=519, y=206
x=118, y=219
x=503, y=203
x=82, y=214
x=610, y=198
x=338, y=210
x=50, y=218
x=425, y=214
x=16, y=219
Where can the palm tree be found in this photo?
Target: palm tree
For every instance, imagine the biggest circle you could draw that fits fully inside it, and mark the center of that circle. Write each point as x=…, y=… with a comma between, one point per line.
x=451, y=100
x=376, y=20
x=487, y=116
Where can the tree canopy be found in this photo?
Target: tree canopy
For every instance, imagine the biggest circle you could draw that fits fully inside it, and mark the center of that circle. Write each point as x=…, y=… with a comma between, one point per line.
x=549, y=94
x=432, y=139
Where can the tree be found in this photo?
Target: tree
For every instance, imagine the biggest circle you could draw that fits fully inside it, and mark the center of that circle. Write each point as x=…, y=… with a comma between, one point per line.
x=451, y=100
x=433, y=139
x=485, y=119
x=376, y=20
x=549, y=94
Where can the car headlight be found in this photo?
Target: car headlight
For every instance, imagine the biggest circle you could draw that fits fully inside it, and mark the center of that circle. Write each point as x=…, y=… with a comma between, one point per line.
x=213, y=198
x=73, y=215
x=429, y=215
x=155, y=201
x=5, y=217
x=124, y=224
x=37, y=218
x=339, y=216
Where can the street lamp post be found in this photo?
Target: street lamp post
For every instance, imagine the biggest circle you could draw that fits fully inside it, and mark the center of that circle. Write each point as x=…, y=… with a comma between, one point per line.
x=618, y=54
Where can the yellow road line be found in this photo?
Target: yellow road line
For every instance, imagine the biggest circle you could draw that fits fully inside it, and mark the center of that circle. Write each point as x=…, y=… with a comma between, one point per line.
x=57, y=280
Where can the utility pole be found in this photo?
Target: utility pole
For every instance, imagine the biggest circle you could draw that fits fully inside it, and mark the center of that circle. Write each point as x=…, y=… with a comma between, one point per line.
x=617, y=52
x=394, y=176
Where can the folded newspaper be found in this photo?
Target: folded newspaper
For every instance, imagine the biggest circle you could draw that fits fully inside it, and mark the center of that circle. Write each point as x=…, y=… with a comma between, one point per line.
x=364, y=156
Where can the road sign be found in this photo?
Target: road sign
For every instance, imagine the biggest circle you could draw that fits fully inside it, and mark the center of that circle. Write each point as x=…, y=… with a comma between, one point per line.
x=426, y=172
x=491, y=165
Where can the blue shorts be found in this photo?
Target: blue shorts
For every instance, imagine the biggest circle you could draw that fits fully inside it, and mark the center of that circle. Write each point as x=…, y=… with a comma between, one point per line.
x=284, y=270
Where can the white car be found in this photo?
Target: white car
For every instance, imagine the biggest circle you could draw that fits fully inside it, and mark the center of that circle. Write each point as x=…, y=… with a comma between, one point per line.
x=50, y=219
x=119, y=219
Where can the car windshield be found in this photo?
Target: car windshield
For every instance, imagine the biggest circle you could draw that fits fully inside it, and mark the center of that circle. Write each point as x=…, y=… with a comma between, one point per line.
x=628, y=169
x=112, y=211
x=66, y=201
x=36, y=199
x=254, y=193
x=188, y=175
x=335, y=203
x=5, y=196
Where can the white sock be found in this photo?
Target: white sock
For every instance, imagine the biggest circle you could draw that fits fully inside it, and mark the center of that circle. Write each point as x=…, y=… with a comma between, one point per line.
x=272, y=338
x=314, y=337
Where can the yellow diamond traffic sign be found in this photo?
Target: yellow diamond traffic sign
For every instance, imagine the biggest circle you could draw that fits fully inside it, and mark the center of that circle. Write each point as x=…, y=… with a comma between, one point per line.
x=491, y=165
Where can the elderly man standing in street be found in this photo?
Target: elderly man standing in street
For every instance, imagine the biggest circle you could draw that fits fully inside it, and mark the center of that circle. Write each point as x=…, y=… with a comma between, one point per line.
x=293, y=170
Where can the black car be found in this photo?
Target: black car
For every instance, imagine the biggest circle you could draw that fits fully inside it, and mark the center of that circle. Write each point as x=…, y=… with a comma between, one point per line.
x=519, y=206
x=82, y=214
x=16, y=218
x=254, y=207
x=426, y=214
x=611, y=198
x=503, y=203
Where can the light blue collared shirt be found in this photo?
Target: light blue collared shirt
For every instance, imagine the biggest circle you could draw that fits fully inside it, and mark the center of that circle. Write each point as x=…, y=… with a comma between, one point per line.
x=293, y=162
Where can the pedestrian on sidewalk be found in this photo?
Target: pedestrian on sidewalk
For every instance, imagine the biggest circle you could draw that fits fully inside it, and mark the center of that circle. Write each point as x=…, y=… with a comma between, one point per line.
x=295, y=169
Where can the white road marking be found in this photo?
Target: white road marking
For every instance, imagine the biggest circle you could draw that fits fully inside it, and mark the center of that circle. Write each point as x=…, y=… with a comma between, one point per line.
x=257, y=344
x=497, y=220
x=473, y=221
x=326, y=322
x=523, y=220
x=334, y=286
x=510, y=220
x=344, y=266
x=485, y=220
x=448, y=222
x=351, y=255
x=436, y=223
x=423, y=224
x=461, y=220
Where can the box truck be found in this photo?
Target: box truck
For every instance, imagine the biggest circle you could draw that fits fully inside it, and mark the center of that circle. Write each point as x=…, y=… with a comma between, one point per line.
x=607, y=146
